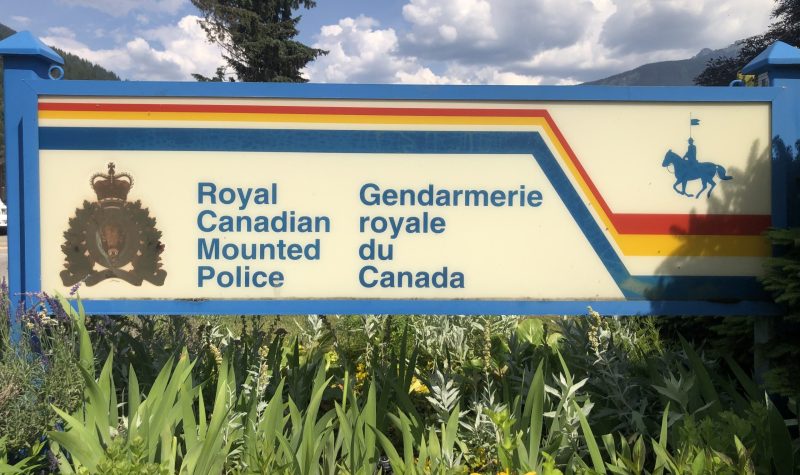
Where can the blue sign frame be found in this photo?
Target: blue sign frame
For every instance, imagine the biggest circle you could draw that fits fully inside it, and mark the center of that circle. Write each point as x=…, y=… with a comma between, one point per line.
x=27, y=79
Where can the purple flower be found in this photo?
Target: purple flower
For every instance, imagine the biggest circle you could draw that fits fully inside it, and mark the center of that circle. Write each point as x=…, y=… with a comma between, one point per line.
x=20, y=314
x=55, y=308
x=52, y=461
x=74, y=289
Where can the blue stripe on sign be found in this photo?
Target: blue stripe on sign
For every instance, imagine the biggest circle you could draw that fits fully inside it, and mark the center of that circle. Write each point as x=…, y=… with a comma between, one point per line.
x=655, y=287
x=254, y=140
x=416, y=307
x=580, y=213
x=370, y=141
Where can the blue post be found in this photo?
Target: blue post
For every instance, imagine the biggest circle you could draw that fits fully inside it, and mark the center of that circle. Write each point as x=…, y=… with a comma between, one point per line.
x=25, y=59
x=779, y=66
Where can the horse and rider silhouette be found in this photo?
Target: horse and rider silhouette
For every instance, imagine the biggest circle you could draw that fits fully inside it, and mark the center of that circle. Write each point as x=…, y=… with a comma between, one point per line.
x=687, y=168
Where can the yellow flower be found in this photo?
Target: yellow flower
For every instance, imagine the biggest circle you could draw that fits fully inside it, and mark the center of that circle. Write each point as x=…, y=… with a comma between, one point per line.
x=215, y=353
x=532, y=472
x=418, y=387
x=263, y=377
x=361, y=372
x=361, y=376
x=332, y=357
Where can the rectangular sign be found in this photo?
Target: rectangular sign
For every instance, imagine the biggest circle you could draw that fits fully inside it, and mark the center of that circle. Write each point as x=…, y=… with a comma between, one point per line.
x=530, y=203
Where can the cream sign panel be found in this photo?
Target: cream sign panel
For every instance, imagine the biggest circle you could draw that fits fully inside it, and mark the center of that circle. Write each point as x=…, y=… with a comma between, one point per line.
x=296, y=199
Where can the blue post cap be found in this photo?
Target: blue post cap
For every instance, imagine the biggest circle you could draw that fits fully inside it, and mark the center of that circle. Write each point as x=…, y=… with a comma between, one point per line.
x=25, y=44
x=778, y=54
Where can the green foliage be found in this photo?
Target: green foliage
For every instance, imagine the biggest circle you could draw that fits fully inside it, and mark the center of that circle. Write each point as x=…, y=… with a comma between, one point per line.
x=123, y=458
x=257, y=37
x=781, y=279
x=441, y=452
x=781, y=276
x=544, y=396
x=41, y=369
x=29, y=464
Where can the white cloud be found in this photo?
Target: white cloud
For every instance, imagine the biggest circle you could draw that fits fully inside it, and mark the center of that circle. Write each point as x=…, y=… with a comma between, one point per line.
x=496, y=32
x=490, y=75
x=436, y=21
x=682, y=24
x=625, y=34
x=169, y=53
x=120, y=8
x=556, y=41
x=61, y=31
x=21, y=21
x=449, y=42
x=361, y=52
x=425, y=76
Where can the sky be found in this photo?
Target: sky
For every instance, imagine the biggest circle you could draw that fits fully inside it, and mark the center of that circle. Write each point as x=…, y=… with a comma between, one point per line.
x=407, y=41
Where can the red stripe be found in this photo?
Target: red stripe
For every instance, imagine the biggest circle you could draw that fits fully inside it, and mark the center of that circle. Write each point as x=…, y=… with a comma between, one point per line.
x=671, y=224
x=692, y=224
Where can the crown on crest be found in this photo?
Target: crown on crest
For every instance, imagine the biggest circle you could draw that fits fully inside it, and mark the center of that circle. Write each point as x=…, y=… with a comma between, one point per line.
x=111, y=186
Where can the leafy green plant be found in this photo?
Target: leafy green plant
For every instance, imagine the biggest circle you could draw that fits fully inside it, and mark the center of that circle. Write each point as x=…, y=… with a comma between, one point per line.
x=444, y=393
x=355, y=438
x=29, y=464
x=96, y=435
x=543, y=396
x=441, y=452
x=39, y=369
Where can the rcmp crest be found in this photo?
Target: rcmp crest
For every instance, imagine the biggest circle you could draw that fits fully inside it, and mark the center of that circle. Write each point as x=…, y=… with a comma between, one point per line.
x=112, y=237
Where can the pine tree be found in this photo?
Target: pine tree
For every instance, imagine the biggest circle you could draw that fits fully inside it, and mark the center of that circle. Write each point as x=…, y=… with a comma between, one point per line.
x=785, y=27
x=257, y=37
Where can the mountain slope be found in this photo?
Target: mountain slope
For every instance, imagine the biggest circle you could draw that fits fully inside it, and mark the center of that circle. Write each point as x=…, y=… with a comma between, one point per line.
x=666, y=73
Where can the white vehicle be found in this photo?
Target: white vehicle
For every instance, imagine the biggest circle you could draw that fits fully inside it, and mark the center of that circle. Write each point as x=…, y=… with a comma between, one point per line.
x=3, y=218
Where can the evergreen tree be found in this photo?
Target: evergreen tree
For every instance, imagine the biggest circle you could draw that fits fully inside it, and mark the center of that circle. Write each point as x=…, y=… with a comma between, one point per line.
x=785, y=27
x=257, y=37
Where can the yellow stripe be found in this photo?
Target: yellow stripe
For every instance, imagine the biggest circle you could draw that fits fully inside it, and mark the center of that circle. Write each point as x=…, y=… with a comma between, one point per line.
x=670, y=245
x=629, y=244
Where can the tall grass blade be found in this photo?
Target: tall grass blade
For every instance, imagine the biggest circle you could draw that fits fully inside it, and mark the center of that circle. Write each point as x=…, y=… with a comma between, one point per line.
x=535, y=409
x=80, y=441
x=134, y=397
x=662, y=443
x=780, y=442
x=750, y=386
x=703, y=377
x=591, y=443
